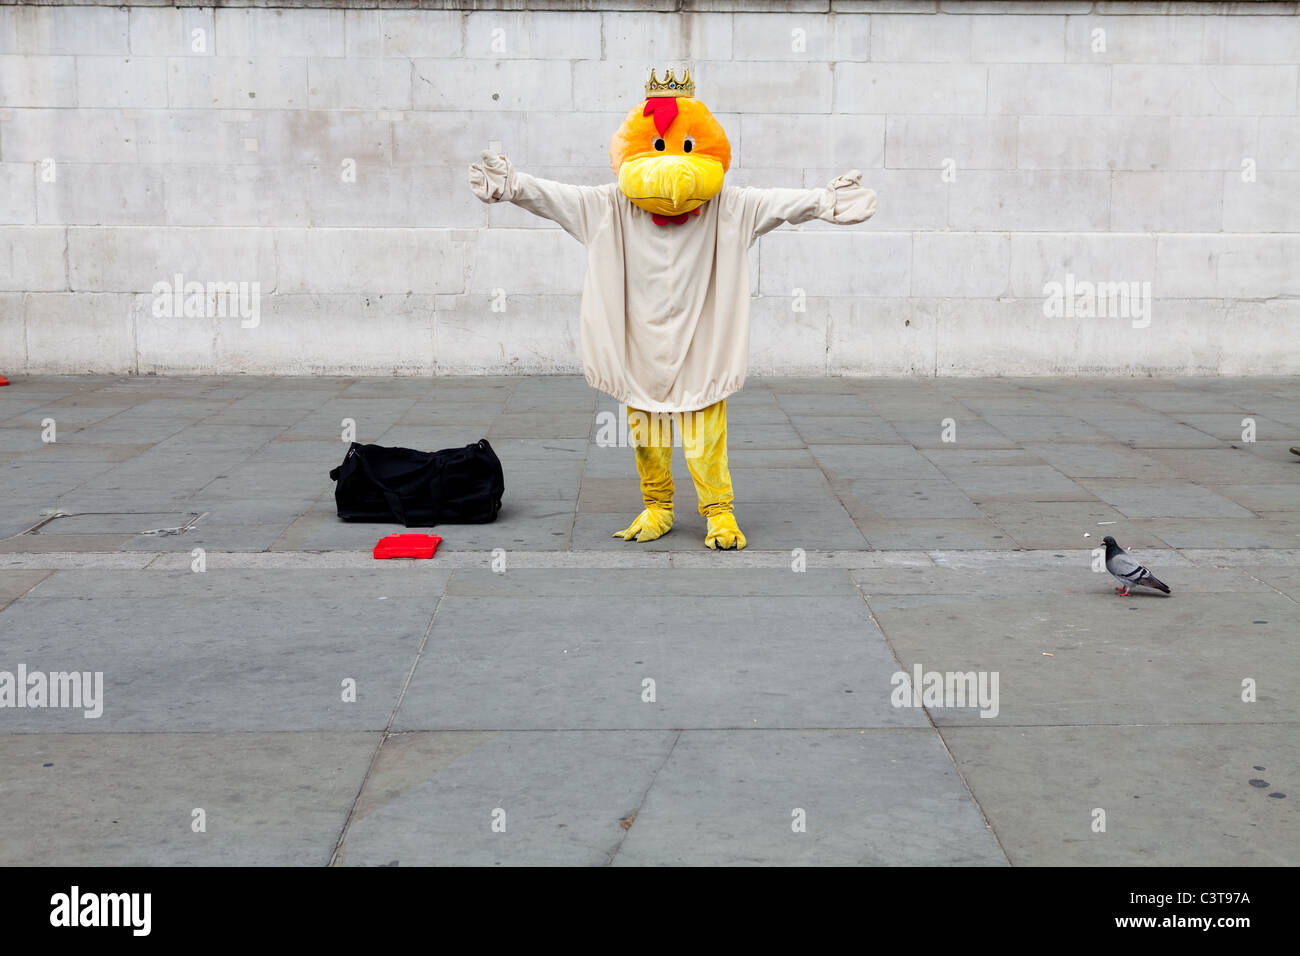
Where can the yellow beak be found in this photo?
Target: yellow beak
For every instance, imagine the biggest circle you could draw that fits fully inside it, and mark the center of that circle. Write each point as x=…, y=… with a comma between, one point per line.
x=670, y=184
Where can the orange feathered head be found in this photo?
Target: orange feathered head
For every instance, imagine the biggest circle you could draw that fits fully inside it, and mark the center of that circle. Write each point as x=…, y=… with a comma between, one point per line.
x=670, y=155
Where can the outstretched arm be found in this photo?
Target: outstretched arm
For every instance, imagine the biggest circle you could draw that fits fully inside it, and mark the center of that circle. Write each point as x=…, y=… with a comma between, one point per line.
x=843, y=201
x=574, y=208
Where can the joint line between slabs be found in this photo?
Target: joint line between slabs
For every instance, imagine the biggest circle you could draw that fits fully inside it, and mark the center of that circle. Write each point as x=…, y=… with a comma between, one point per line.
x=388, y=732
x=1269, y=586
x=988, y=824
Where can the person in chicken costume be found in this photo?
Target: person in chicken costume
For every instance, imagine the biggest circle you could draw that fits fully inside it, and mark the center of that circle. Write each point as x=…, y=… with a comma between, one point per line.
x=665, y=306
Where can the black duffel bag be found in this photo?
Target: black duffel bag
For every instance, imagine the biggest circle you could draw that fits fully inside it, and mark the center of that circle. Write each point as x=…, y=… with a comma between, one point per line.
x=419, y=488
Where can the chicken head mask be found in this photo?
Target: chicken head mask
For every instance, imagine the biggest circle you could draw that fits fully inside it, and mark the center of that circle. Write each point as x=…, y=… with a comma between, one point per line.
x=670, y=154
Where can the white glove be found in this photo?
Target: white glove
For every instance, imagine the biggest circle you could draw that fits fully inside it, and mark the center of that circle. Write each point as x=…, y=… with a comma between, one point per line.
x=849, y=200
x=492, y=180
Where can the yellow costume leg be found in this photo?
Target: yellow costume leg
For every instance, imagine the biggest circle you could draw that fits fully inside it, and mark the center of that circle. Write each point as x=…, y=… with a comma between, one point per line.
x=652, y=437
x=704, y=437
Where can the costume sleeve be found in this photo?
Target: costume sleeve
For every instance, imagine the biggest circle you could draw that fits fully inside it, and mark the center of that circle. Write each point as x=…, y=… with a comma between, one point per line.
x=574, y=208
x=843, y=201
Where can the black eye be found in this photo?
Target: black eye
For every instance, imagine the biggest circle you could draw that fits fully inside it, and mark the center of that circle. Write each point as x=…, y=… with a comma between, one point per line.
x=659, y=145
x=689, y=144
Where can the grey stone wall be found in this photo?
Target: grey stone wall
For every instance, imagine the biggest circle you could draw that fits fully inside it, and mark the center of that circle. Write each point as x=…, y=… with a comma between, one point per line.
x=314, y=154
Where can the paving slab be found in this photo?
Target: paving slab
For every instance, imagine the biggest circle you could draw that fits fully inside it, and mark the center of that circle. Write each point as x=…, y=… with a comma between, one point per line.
x=1176, y=399
x=63, y=451
x=428, y=437
x=462, y=390
x=93, y=498
x=21, y=477
x=556, y=798
x=911, y=402
x=1172, y=795
x=321, y=454
x=19, y=514
x=67, y=416
x=211, y=537
x=14, y=584
x=529, y=449
x=620, y=495
x=546, y=479
x=873, y=798
x=1269, y=498
x=1039, y=428
x=1055, y=524
x=162, y=413
x=41, y=543
x=82, y=523
x=779, y=485
x=1286, y=580
x=1153, y=432
x=1085, y=460
x=111, y=432
x=951, y=454
x=1223, y=465
x=252, y=659
x=819, y=429
x=1262, y=532
x=892, y=533
x=24, y=437
x=533, y=424
x=744, y=458
x=1149, y=499
x=272, y=479
x=465, y=417
x=745, y=433
x=1281, y=409
x=821, y=385
x=905, y=498
x=1149, y=658
x=968, y=434
x=219, y=511
x=760, y=414
x=130, y=799
x=582, y=667
x=1240, y=557
x=874, y=461
x=1032, y=482
x=1228, y=426
x=847, y=403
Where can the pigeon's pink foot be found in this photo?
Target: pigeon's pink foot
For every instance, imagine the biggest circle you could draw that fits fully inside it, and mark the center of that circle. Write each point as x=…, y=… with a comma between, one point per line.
x=1123, y=593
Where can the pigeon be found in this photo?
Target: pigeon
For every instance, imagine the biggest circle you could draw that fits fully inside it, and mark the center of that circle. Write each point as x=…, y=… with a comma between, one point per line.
x=1126, y=570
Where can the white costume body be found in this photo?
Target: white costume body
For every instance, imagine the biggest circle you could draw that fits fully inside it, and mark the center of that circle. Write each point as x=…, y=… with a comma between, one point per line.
x=665, y=308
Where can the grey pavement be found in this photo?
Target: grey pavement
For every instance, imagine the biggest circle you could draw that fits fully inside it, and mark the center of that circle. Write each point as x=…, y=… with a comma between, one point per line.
x=541, y=693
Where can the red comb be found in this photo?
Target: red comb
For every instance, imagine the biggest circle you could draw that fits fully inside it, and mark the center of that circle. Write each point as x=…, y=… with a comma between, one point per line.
x=664, y=111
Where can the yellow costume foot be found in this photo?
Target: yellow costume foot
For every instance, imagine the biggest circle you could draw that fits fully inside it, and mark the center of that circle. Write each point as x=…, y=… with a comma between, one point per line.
x=649, y=524
x=724, y=533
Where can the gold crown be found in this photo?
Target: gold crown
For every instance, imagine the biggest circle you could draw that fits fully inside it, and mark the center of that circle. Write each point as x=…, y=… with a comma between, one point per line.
x=671, y=86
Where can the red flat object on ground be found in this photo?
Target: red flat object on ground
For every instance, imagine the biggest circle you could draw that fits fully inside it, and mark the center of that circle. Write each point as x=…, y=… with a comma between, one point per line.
x=408, y=546
x=3, y=380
